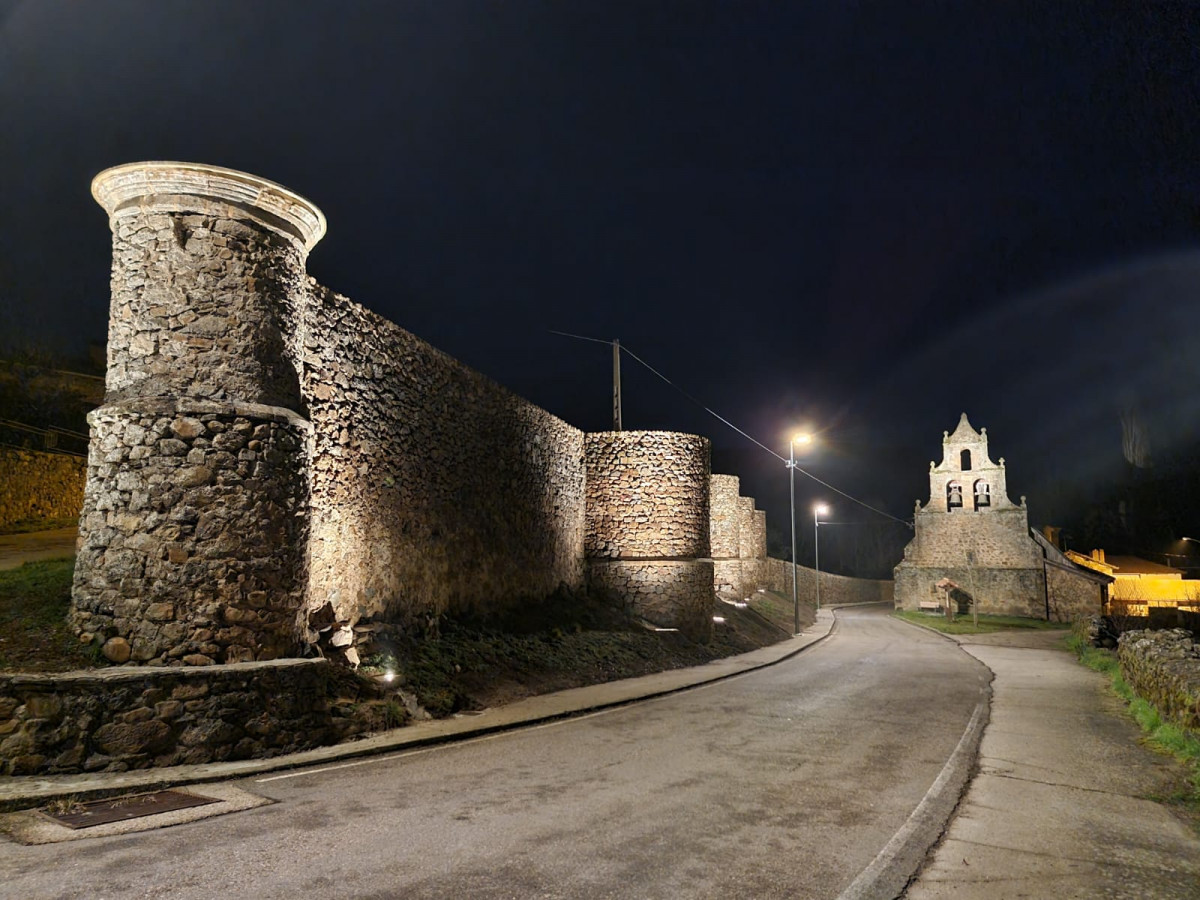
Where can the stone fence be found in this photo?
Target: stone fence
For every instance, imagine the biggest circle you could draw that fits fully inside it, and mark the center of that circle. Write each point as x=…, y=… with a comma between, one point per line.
x=137, y=717
x=35, y=485
x=1163, y=668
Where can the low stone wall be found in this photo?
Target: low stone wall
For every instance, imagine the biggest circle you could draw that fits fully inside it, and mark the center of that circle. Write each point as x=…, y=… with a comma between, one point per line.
x=39, y=485
x=1163, y=668
x=835, y=589
x=111, y=720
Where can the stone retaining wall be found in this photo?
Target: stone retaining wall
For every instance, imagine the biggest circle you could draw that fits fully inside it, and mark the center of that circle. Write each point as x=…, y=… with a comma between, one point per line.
x=112, y=720
x=39, y=485
x=1163, y=668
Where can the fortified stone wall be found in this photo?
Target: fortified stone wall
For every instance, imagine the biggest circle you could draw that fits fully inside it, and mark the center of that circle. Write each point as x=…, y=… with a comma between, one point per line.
x=39, y=486
x=433, y=488
x=738, y=534
x=193, y=528
x=647, y=534
x=723, y=521
x=273, y=460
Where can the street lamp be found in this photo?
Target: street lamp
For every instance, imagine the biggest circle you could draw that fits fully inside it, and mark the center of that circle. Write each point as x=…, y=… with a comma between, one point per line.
x=797, y=439
x=819, y=510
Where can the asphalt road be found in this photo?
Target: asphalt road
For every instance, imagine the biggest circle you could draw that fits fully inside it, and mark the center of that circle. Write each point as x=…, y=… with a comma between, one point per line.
x=785, y=782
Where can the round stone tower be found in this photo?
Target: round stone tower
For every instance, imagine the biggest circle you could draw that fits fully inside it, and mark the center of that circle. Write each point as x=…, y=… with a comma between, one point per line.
x=193, y=528
x=647, y=538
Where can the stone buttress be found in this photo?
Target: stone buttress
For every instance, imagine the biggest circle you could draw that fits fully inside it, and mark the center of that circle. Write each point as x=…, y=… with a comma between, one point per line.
x=193, y=531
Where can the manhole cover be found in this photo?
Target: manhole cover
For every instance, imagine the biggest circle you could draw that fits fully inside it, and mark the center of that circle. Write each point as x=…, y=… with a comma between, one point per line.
x=118, y=809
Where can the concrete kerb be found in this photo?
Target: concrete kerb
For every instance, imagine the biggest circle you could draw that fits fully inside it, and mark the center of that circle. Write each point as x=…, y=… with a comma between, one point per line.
x=25, y=791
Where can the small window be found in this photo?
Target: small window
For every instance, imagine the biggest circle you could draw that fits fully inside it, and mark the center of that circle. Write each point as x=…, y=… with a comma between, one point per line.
x=964, y=461
x=954, y=498
x=983, y=494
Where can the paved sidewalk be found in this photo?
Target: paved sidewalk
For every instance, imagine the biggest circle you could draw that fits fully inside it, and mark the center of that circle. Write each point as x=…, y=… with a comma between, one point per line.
x=18, y=549
x=25, y=791
x=1059, y=807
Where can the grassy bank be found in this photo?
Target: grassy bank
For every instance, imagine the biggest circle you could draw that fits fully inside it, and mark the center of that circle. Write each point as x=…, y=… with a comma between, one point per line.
x=34, y=636
x=463, y=665
x=1163, y=736
x=964, y=624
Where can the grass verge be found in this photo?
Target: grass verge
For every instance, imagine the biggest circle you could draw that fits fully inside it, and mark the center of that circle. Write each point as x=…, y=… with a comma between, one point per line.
x=964, y=625
x=1159, y=734
x=34, y=636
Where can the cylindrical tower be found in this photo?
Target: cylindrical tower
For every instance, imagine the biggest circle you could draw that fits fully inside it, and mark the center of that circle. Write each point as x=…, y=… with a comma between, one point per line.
x=194, y=518
x=647, y=538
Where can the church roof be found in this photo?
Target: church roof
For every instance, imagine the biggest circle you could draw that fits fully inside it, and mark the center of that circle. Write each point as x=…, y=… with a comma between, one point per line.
x=964, y=432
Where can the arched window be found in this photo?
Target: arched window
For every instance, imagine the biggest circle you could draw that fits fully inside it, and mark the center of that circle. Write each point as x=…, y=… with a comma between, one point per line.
x=964, y=461
x=983, y=494
x=954, y=495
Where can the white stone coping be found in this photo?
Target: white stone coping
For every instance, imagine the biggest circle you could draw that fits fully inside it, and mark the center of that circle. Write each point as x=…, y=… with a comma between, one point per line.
x=161, y=185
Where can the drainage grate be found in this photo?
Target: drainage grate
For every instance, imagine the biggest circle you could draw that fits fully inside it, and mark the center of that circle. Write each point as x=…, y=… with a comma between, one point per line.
x=118, y=809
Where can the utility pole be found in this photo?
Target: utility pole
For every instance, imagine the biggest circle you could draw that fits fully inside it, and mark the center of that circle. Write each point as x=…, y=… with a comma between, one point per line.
x=616, y=385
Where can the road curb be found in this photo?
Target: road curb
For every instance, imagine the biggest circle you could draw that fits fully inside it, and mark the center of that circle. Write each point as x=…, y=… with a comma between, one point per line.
x=902, y=856
x=21, y=792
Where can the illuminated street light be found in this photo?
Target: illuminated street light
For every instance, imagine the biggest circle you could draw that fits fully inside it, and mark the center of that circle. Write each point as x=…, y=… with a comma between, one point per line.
x=796, y=439
x=819, y=510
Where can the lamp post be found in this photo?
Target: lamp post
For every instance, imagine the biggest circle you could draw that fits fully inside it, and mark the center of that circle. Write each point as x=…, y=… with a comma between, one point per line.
x=819, y=510
x=797, y=439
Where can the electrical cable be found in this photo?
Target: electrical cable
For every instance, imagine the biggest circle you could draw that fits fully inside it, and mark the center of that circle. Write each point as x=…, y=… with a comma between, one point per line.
x=748, y=437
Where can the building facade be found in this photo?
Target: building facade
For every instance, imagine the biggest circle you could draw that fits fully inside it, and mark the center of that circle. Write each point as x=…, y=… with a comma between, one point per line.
x=972, y=544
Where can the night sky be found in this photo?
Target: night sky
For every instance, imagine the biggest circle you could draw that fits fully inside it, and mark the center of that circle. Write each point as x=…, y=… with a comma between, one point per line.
x=859, y=218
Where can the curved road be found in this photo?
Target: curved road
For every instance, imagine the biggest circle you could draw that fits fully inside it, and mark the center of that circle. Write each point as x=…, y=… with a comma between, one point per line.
x=784, y=782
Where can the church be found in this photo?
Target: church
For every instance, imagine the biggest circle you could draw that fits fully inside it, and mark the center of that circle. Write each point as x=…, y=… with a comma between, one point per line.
x=972, y=543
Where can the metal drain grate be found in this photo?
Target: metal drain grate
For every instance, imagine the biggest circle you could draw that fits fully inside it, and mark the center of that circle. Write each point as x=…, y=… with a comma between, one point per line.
x=118, y=809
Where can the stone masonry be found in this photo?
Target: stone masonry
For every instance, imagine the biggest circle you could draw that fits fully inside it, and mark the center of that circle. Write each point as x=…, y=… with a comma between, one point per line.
x=273, y=461
x=647, y=536
x=193, y=531
x=39, y=485
x=972, y=541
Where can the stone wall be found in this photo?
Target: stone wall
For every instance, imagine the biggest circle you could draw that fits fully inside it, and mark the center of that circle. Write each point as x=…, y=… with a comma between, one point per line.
x=433, y=488
x=134, y=718
x=647, y=495
x=835, y=589
x=39, y=486
x=1163, y=668
x=192, y=532
x=647, y=534
x=723, y=516
x=1071, y=596
x=194, y=525
x=274, y=460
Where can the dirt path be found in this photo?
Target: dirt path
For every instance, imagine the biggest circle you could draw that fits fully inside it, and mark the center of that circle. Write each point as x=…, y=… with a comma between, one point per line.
x=17, y=549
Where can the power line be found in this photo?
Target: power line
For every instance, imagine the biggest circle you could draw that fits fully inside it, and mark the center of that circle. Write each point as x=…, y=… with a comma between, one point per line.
x=744, y=434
